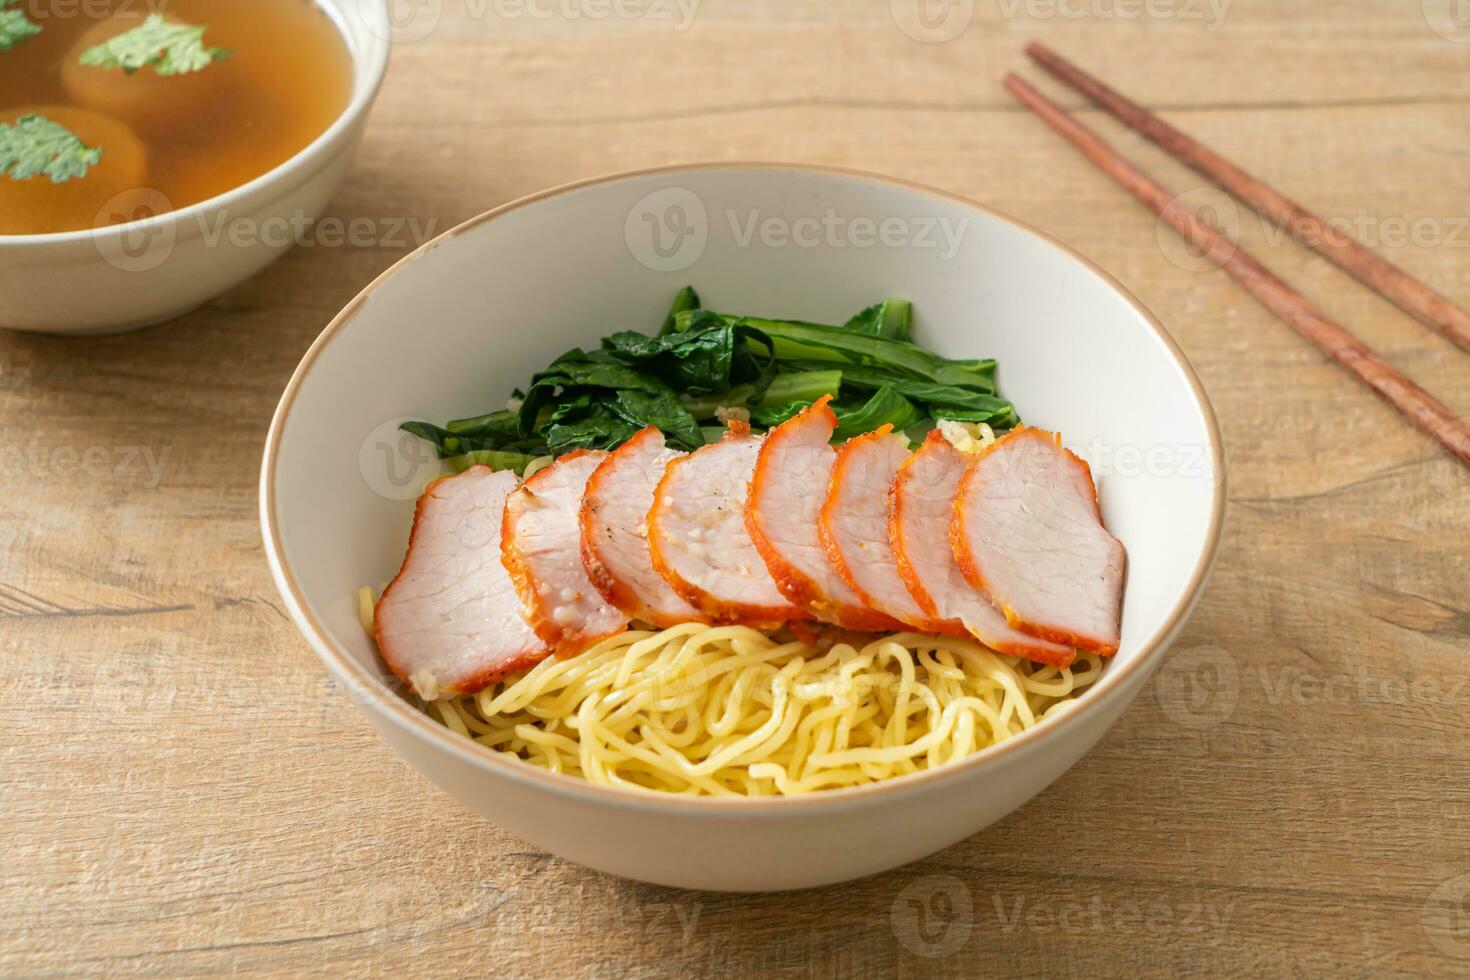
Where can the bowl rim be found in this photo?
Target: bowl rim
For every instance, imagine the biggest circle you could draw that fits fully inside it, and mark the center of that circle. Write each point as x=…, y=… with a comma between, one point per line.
x=418, y=725
x=369, y=64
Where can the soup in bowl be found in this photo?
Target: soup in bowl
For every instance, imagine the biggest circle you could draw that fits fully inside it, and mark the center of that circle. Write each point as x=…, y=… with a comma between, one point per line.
x=131, y=134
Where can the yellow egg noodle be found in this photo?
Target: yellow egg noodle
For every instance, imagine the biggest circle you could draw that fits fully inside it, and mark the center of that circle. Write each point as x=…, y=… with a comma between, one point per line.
x=730, y=711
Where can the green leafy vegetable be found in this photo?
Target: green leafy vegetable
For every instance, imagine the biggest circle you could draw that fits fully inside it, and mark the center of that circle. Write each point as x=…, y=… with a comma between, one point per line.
x=489, y=457
x=805, y=386
x=698, y=359
x=799, y=386
x=770, y=416
x=591, y=400
x=886, y=407
x=170, y=48
x=595, y=432
x=662, y=410
x=445, y=441
x=838, y=343
x=944, y=401
x=503, y=425
x=711, y=354
x=701, y=366
x=891, y=319
x=15, y=26
x=687, y=300
x=36, y=146
x=898, y=319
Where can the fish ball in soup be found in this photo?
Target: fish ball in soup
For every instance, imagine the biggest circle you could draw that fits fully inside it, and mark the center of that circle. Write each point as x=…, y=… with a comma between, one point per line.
x=154, y=105
x=111, y=191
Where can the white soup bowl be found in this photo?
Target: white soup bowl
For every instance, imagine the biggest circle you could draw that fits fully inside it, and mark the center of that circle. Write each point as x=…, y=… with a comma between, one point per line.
x=121, y=277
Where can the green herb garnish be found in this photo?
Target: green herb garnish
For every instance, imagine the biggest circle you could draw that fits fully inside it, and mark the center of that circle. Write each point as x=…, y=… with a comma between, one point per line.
x=15, y=26
x=701, y=366
x=172, y=49
x=37, y=146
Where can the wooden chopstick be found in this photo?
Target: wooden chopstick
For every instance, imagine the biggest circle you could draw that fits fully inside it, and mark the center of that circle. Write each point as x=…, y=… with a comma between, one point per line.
x=1380, y=275
x=1416, y=404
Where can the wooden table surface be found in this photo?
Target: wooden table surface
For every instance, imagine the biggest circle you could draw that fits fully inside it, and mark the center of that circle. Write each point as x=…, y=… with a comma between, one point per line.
x=183, y=791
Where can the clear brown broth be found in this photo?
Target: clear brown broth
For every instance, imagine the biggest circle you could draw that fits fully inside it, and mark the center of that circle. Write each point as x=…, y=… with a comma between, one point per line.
x=184, y=138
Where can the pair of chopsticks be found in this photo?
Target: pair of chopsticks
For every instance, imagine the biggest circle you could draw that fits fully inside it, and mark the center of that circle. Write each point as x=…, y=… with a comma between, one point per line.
x=1423, y=410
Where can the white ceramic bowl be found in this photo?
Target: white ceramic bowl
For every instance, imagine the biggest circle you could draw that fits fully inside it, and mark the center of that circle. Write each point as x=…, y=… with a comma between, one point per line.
x=452, y=328
x=121, y=277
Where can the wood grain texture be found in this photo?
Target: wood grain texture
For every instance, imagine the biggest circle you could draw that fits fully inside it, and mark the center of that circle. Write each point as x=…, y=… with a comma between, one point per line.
x=1419, y=408
x=1335, y=244
x=183, y=791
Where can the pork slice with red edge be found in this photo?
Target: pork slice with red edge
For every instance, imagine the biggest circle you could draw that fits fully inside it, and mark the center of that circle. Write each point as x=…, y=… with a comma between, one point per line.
x=451, y=622
x=786, y=495
x=541, y=546
x=853, y=525
x=921, y=508
x=1027, y=531
x=615, y=532
x=698, y=538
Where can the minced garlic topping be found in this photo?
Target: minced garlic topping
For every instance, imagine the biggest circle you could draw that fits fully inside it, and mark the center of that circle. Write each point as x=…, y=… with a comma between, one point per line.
x=967, y=437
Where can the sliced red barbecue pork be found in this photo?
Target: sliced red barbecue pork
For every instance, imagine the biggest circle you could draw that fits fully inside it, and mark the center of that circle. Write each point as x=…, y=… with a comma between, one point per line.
x=541, y=546
x=615, y=532
x=1027, y=532
x=786, y=495
x=920, y=512
x=451, y=622
x=854, y=524
x=698, y=538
